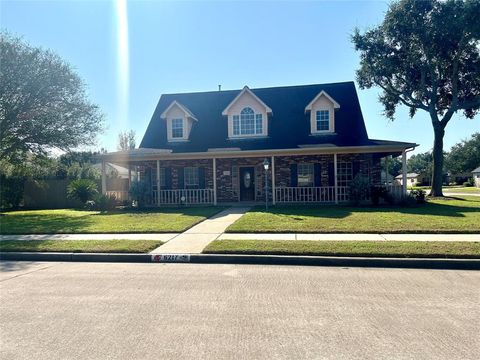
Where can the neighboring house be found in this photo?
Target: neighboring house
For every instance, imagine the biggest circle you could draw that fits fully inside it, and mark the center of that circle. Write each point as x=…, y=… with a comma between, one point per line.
x=412, y=179
x=113, y=170
x=476, y=177
x=211, y=147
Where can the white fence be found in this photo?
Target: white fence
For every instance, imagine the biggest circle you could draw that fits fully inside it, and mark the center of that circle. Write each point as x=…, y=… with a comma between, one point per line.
x=184, y=196
x=310, y=194
x=395, y=190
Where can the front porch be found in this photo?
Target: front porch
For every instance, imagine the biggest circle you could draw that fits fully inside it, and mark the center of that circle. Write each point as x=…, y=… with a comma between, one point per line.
x=312, y=178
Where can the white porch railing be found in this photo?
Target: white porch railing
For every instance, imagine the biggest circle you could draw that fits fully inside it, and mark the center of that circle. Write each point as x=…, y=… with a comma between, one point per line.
x=310, y=194
x=119, y=195
x=184, y=196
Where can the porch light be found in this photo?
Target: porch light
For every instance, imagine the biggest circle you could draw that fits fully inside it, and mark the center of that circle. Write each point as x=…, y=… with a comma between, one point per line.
x=266, y=164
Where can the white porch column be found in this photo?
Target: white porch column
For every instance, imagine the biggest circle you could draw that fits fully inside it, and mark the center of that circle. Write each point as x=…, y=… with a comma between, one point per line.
x=335, y=177
x=404, y=172
x=273, y=181
x=104, y=179
x=129, y=180
x=214, y=181
x=158, y=182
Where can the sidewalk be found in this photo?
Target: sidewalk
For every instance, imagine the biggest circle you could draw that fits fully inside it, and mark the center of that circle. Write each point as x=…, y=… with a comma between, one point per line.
x=353, y=237
x=194, y=240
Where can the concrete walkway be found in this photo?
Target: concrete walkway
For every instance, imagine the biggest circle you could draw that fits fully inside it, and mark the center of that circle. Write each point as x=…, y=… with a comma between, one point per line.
x=194, y=240
x=353, y=237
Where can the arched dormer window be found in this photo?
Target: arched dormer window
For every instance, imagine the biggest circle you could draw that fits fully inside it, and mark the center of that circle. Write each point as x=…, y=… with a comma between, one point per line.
x=247, y=123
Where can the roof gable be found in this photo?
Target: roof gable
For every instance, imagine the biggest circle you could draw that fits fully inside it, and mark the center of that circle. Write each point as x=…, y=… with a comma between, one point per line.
x=320, y=94
x=183, y=108
x=244, y=91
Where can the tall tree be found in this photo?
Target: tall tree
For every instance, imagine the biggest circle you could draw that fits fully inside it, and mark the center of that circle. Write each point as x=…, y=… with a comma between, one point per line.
x=43, y=102
x=426, y=56
x=464, y=156
x=126, y=140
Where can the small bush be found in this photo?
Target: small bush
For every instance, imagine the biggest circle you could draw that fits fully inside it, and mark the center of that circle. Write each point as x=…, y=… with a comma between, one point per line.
x=11, y=191
x=139, y=192
x=469, y=183
x=105, y=202
x=380, y=192
x=418, y=195
x=359, y=189
x=82, y=189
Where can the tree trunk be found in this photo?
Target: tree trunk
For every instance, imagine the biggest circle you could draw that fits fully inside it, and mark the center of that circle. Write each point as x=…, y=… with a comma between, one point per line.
x=437, y=175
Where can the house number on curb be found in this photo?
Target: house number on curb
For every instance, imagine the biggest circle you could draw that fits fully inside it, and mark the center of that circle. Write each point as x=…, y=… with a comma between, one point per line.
x=171, y=258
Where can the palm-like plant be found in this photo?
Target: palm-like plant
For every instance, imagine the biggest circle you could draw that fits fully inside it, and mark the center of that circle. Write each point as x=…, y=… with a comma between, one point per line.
x=82, y=189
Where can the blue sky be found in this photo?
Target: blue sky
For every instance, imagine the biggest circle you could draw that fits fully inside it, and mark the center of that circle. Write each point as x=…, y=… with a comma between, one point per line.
x=194, y=46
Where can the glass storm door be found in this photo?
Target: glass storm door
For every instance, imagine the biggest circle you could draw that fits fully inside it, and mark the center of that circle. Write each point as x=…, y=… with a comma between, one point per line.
x=247, y=184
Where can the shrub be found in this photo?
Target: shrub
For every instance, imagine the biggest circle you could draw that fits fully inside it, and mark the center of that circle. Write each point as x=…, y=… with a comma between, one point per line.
x=105, y=202
x=359, y=189
x=82, y=189
x=418, y=195
x=11, y=191
x=469, y=182
x=139, y=192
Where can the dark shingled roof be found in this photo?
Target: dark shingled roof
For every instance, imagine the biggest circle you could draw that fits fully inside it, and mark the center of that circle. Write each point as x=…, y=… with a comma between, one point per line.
x=288, y=126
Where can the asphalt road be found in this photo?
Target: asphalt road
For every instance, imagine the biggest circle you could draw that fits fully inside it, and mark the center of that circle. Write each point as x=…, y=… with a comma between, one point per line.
x=172, y=311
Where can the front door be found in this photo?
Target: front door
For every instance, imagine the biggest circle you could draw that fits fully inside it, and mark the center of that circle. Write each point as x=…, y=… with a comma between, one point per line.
x=247, y=184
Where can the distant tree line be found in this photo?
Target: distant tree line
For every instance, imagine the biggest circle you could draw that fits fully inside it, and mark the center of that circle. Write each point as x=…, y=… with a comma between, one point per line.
x=462, y=158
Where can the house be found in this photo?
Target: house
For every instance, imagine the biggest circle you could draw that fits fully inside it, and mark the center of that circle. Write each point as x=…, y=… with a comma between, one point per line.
x=412, y=179
x=280, y=144
x=476, y=176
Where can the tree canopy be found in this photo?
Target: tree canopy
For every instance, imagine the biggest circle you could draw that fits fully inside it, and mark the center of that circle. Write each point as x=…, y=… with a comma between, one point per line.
x=425, y=55
x=464, y=156
x=43, y=102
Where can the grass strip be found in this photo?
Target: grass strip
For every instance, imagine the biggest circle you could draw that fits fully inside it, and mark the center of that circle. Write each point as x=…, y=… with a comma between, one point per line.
x=452, y=215
x=405, y=249
x=80, y=246
x=69, y=221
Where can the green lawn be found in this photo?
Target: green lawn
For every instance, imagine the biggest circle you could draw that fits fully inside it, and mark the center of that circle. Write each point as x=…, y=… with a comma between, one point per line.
x=76, y=221
x=437, y=249
x=437, y=216
x=81, y=246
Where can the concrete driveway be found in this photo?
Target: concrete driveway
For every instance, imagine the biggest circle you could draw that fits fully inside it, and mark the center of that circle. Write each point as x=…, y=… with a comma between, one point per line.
x=187, y=311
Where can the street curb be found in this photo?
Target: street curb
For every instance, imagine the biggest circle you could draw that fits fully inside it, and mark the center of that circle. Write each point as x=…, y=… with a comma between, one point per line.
x=412, y=263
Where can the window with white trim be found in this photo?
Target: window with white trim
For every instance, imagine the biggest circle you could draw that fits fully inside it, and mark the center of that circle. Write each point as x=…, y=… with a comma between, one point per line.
x=247, y=123
x=305, y=174
x=344, y=173
x=177, y=128
x=162, y=177
x=190, y=176
x=323, y=120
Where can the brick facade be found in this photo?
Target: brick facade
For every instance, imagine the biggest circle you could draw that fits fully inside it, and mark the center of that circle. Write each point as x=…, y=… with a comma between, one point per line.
x=227, y=171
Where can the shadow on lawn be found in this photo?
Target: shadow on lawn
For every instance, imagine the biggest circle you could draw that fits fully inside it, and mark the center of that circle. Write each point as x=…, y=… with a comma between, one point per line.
x=338, y=211
x=44, y=224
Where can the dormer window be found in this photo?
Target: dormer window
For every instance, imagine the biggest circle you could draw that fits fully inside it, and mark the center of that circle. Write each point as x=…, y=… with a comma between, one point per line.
x=247, y=115
x=179, y=120
x=323, y=120
x=177, y=128
x=322, y=114
x=247, y=123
